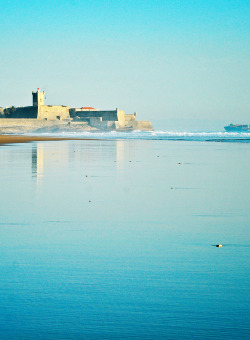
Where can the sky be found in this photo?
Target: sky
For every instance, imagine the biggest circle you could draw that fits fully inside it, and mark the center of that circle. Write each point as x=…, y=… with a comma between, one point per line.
x=186, y=60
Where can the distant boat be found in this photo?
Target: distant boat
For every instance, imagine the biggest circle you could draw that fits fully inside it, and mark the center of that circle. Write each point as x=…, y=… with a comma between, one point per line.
x=237, y=128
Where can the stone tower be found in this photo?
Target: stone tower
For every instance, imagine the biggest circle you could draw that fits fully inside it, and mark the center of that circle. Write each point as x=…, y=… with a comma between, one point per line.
x=38, y=98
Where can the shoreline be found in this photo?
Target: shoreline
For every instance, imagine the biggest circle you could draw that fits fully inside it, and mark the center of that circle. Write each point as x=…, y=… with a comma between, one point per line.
x=9, y=139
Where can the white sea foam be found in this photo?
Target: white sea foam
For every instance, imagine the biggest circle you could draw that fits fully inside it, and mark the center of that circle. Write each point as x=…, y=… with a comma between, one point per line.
x=156, y=135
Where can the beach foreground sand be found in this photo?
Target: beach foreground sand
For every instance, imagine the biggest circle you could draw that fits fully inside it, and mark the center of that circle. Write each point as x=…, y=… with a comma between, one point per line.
x=8, y=139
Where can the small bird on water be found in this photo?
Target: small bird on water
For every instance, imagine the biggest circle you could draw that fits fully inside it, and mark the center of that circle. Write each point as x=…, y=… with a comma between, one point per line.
x=218, y=245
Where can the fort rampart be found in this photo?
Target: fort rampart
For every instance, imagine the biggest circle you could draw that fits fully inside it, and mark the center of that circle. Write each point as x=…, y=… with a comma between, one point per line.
x=38, y=116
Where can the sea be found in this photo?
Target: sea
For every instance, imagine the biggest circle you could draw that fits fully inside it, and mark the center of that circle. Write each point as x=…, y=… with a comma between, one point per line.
x=114, y=236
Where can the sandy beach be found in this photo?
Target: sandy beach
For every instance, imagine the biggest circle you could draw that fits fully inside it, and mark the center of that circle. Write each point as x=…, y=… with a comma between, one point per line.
x=8, y=139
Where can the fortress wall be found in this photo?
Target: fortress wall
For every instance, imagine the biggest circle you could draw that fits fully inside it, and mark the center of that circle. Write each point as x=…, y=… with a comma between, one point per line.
x=120, y=117
x=136, y=125
x=129, y=117
x=53, y=112
x=10, y=125
x=100, y=124
x=78, y=123
x=17, y=122
x=41, y=112
x=27, y=112
x=105, y=115
x=9, y=122
x=141, y=125
x=88, y=114
x=109, y=115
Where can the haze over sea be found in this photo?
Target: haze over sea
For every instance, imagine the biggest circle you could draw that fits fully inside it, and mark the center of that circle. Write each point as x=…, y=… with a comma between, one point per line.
x=114, y=238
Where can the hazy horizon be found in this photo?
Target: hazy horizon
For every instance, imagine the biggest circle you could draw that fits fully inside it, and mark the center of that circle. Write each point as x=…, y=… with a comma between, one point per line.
x=186, y=60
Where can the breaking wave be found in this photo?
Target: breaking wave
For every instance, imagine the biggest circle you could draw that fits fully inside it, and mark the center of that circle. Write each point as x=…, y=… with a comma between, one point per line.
x=243, y=137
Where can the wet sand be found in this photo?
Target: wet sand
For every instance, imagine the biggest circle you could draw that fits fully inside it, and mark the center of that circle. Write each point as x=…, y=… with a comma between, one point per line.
x=8, y=139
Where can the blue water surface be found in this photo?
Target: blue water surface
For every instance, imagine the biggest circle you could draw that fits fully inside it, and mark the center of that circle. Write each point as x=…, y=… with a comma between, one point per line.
x=115, y=239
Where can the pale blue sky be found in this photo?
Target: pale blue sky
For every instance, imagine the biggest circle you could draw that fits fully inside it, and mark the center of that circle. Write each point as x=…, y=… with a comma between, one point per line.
x=163, y=59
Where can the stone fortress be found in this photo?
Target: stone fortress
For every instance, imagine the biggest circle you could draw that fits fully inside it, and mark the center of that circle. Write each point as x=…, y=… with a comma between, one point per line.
x=48, y=118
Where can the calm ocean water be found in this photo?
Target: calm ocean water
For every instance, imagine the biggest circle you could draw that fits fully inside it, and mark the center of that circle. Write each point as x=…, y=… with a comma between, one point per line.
x=114, y=238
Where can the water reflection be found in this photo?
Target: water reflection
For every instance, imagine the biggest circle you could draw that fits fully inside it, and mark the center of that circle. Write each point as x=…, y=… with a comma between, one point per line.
x=48, y=157
x=127, y=255
x=37, y=157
